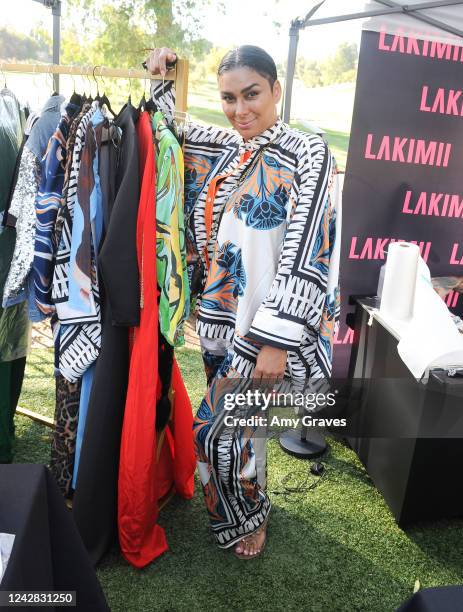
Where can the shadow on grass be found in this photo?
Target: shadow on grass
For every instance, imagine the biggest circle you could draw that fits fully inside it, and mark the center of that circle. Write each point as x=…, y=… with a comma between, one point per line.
x=437, y=541
x=33, y=440
x=302, y=568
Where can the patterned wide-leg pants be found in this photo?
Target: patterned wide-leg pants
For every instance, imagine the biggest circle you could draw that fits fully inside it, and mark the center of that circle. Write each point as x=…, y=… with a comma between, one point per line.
x=229, y=459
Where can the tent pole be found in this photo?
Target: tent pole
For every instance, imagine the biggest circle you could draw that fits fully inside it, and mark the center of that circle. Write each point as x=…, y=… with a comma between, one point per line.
x=290, y=67
x=56, y=10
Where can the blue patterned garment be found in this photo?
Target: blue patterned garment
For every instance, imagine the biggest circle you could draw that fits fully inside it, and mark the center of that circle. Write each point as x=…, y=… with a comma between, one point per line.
x=46, y=207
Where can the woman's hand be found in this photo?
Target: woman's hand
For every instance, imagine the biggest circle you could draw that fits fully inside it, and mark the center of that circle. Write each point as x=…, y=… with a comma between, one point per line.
x=271, y=363
x=158, y=59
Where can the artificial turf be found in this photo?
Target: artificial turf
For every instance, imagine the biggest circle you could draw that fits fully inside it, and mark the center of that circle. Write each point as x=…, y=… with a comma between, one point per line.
x=335, y=547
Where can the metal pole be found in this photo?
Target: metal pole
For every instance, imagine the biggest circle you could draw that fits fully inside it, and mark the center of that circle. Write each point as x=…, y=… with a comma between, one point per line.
x=393, y=7
x=55, y=6
x=56, y=10
x=290, y=67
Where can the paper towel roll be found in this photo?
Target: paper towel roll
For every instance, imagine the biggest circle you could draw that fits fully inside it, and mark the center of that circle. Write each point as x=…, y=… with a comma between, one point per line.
x=398, y=293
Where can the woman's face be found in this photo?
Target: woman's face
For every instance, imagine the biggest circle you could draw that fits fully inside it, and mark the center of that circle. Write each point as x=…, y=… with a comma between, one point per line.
x=248, y=101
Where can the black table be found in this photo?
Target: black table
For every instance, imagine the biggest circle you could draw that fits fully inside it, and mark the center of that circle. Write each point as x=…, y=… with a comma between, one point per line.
x=48, y=553
x=417, y=473
x=439, y=599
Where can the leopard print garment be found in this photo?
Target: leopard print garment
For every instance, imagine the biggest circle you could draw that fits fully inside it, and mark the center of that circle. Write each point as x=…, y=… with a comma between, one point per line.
x=63, y=443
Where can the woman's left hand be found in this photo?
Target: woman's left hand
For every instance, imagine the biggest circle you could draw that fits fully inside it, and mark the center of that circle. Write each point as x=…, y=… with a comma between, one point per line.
x=271, y=363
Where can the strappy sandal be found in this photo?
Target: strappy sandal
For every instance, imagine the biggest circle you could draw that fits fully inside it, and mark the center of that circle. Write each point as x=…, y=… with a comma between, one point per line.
x=261, y=529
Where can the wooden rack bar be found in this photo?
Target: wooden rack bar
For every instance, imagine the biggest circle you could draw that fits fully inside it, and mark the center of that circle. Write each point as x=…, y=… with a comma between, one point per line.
x=179, y=75
x=39, y=418
x=123, y=73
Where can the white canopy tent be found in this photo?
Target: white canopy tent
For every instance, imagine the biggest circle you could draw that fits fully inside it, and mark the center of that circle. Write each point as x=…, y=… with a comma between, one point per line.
x=440, y=20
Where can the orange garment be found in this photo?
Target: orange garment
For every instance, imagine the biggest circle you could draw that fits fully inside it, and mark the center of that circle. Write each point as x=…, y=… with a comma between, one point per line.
x=150, y=465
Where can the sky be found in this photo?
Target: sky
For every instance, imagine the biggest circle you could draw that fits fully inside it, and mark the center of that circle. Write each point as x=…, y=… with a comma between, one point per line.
x=246, y=21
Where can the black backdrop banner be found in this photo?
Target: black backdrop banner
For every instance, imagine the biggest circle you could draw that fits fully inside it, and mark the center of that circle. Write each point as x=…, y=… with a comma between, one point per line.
x=404, y=174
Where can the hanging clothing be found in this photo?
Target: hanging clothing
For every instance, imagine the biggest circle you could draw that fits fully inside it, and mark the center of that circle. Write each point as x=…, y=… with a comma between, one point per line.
x=146, y=472
x=21, y=213
x=80, y=331
x=174, y=301
x=60, y=291
x=119, y=267
x=95, y=498
x=14, y=324
x=14, y=328
x=64, y=435
x=47, y=204
x=11, y=379
x=30, y=122
x=86, y=387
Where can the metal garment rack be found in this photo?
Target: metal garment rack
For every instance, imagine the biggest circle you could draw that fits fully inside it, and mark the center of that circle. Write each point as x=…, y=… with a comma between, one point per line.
x=180, y=77
x=389, y=7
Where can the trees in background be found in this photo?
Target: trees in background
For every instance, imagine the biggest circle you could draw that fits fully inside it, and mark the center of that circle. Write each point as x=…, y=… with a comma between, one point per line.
x=118, y=33
x=339, y=68
x=19, y=47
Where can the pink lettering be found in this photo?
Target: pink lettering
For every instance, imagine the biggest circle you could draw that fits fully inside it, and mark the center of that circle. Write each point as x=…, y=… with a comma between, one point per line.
x=448, y=149
x=405, y=208
x=440, y=49
x=367, y=251
x=424, y=96
x=379, y=248
x=368, y=153
x=397, y=151
x=456, y=207
x=421, y=204
x=353, y=244
x=425, y=155
x=453, y=257
x=439, y=102
x=384, y=149
x=435, y=199
x=382, y=41
x=452, y=100
x=398, y=42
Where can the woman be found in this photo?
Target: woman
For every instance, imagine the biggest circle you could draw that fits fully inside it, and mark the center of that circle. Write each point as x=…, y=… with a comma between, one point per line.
x=261, y=203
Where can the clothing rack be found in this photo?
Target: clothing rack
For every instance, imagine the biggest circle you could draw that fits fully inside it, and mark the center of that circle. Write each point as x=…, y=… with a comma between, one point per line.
x=179, y=75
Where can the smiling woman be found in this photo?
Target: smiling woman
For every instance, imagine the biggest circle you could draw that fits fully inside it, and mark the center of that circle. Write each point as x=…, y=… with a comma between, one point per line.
x=261, y=210
x=249, y=96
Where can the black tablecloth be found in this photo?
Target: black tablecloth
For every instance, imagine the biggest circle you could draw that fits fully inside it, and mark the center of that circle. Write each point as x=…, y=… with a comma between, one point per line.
x=439, y=599
x=48, y=553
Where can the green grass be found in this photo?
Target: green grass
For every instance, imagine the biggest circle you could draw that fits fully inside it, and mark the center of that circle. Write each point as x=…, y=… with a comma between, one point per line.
x=335, y=548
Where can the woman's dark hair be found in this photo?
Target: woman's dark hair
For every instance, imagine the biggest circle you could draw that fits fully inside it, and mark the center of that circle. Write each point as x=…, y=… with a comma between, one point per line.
x=252, y=57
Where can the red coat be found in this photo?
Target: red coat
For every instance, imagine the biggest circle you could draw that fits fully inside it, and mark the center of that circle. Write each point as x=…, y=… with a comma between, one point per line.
x=151, y=465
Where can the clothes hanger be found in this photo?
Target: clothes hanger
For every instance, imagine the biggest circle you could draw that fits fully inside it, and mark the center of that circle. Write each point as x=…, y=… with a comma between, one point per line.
x=149, y=104
x=101, y=99
x=89, y=99
x=75, y=97
x=104, y=98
